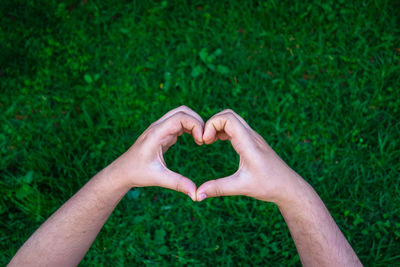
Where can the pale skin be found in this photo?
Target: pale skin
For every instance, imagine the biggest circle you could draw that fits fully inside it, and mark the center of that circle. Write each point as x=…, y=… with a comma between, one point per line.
x=263, y=175
x=66, y=236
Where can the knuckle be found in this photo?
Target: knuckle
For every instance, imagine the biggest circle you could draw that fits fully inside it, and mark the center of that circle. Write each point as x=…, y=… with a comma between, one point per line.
x=180, y=113
x=183, y=108
x=230, y=116
x=148, y=132
x=178, y=116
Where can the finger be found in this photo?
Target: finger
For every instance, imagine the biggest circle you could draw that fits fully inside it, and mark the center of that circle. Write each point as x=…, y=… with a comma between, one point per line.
x=228, y=186
x=236, y=115
x=165, y=147
x=222, y=136
x=175, y=125
x=225, y=121
x=227, y=126
x=177, y=182
x=178, y=109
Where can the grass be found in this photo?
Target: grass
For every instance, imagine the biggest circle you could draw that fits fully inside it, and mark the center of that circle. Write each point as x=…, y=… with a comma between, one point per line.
x=80, y=81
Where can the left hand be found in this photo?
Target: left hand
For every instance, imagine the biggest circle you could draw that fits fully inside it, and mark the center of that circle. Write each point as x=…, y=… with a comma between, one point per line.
x=143, y=164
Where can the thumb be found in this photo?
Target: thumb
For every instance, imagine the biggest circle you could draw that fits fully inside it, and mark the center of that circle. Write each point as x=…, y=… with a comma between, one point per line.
x=178, y=182
x=227, y=186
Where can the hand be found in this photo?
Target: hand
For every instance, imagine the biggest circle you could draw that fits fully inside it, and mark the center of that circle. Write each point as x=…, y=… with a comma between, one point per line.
x=261, y=173
x=143, y=164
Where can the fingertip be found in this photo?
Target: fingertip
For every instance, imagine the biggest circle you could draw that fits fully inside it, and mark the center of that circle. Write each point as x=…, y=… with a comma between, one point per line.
x=193, y=197
x=198, y=136
x=191, y=192
x=201, y=192
x=201, y=196
x=180, y=183
x=207, y=136
x=199, y=141
x=207, y=142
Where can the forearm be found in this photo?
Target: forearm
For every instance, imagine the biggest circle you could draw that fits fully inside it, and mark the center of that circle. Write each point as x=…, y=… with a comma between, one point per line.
x=64, y=238
x=318, y=239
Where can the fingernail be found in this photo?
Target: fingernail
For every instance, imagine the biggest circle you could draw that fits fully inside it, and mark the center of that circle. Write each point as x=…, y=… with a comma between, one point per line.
x=202, y=197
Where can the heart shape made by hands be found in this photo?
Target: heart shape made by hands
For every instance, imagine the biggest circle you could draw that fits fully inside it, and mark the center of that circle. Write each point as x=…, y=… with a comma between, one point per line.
x=257, y=161
x=226, y=125
x=201, y=163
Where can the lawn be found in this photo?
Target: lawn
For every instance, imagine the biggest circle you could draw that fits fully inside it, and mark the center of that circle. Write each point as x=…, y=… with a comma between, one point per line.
x=81, y=80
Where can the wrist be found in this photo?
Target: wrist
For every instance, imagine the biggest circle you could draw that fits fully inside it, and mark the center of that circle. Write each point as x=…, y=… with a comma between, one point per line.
x=116, y=176
x=295, y=193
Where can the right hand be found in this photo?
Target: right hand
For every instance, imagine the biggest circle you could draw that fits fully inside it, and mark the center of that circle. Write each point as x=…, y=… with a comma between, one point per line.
x=262, y=174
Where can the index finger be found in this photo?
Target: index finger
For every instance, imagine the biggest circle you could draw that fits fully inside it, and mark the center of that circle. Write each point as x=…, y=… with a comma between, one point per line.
x=182, y=108
x=176, y=125
x=226, y=122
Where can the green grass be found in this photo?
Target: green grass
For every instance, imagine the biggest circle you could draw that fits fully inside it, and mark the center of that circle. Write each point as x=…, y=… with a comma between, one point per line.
x=80, y=81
